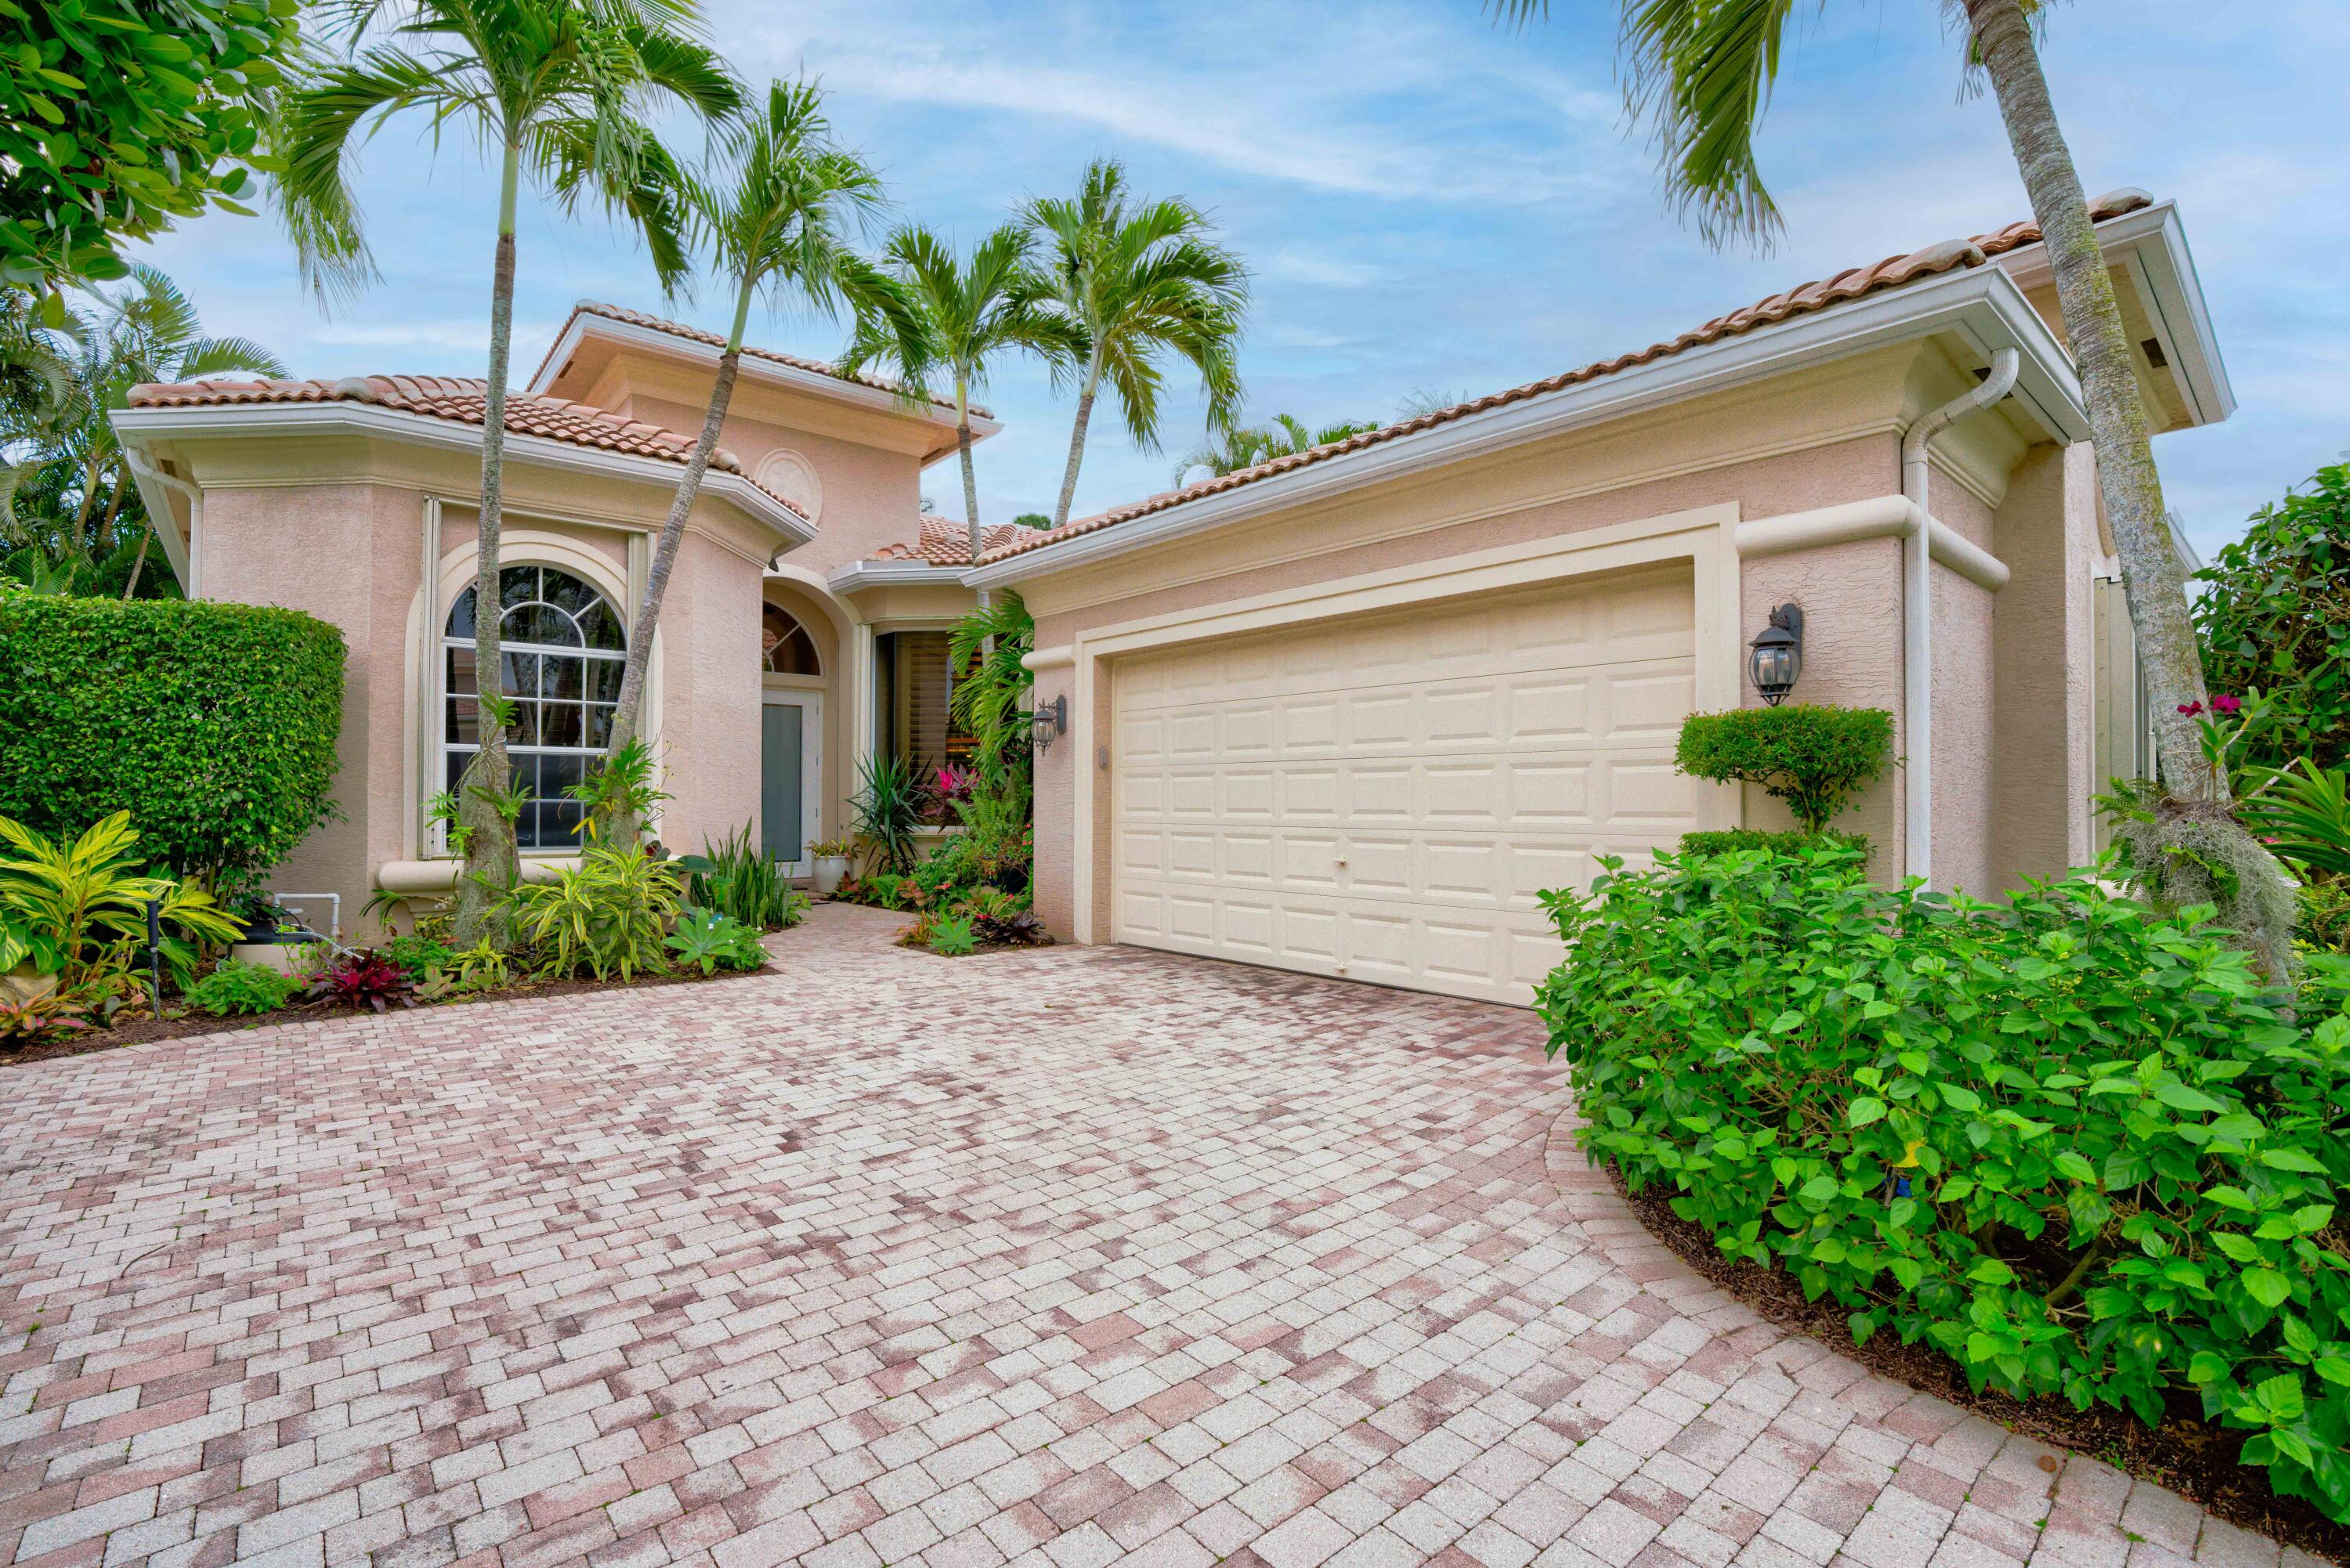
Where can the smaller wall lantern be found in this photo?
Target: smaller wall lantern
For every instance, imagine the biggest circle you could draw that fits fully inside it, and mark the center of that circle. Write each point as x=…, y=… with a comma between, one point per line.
x=1776, y=655
x=1050, y=719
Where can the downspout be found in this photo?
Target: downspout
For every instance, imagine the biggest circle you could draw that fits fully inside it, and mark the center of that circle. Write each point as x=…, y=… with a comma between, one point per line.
x=1918, y=612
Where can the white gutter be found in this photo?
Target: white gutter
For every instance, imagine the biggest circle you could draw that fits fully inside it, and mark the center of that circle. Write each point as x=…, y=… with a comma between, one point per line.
x=855, y=575
x=180, y=553
x=1917, y=613
x=1982, y=307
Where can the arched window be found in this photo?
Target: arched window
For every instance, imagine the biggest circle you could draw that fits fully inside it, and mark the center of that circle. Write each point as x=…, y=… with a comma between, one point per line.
x=563, y=651
x=789, y=650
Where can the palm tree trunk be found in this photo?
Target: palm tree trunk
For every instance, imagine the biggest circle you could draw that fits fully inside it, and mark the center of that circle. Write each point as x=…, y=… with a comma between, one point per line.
x=139, y=561
x=113, y=508
x=491, y=862
x=970, y=471
x=1078, y=441
x=628, y=714
x=2153, y=579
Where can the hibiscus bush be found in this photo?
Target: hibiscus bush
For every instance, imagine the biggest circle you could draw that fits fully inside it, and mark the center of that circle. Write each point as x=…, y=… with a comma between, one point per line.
x=2070, y=1142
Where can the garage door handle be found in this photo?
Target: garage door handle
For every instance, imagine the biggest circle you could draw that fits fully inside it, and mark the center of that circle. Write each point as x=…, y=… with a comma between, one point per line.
x=1342, y=860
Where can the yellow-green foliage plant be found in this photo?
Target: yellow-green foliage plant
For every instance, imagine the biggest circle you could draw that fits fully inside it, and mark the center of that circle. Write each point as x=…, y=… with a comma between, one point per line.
x=609, y=916
x=88, y=898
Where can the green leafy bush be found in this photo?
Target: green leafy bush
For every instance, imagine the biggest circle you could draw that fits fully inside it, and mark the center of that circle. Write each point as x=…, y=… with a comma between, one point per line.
x=2069, y=1142
x=710, y=941
x=213, y=724
x=242, y=988
x=417, y=954
x=77, y=908
x=1728, y=839
x=2275, y=616
x=608, y=915
x=1813, y=758
x=888, y=811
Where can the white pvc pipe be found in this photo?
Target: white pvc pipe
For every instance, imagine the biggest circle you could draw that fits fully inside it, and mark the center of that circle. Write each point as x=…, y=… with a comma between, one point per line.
x=1918, y=612
x=1878, y=517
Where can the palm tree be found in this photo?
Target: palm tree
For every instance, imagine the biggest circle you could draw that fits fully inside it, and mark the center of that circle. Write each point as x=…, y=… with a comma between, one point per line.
x=66, y=381
x=776, y=209
x=1700, y=72
x=1245, y=446
x=1137, y=279
x=977, y=311
x=558, y=90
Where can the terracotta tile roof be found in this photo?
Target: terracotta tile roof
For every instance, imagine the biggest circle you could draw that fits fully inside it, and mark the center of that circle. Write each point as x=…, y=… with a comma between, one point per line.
x=696, y=333
x=947, y=543
x=462, y=399
x=1890, y=273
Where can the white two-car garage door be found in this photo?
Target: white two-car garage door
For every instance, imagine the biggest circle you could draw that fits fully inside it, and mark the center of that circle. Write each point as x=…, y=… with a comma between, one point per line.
x=1382, y=796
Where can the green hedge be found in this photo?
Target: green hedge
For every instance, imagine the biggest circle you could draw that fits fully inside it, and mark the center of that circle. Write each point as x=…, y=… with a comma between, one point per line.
x=213, y=724
x=2071, y=1142
x=1725, y=841
x=1813, y=757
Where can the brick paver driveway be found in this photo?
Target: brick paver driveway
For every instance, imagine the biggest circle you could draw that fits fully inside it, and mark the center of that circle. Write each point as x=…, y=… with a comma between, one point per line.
x=1067, y=1258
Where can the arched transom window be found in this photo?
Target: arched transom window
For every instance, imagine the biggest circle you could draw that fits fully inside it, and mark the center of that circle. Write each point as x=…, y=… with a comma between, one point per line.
x=789, y=650
x=563, y=651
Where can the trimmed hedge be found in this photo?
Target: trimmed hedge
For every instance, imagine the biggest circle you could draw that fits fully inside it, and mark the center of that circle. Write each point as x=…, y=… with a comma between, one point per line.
x=1725, y=841
x=2073, y=1143
x=1814, y=758
x=213, y=724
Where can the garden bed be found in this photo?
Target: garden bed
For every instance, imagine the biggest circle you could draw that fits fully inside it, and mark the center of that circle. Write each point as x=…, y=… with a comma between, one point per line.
x=2194, y=1458
x=146, y=1030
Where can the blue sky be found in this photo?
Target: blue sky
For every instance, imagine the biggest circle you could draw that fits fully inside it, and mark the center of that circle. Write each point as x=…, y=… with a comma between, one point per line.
x=1429, y=205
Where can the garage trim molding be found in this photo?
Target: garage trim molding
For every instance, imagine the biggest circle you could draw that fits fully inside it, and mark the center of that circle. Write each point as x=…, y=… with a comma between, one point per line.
x=1704, y=535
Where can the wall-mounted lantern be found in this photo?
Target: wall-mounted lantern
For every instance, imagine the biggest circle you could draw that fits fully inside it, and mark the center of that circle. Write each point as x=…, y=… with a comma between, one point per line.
x=1050, y=719
x=1776, y=655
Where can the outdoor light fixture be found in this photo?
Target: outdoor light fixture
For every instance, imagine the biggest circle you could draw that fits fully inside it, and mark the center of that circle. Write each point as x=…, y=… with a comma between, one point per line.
x=1049, y=720
x=1777, y=654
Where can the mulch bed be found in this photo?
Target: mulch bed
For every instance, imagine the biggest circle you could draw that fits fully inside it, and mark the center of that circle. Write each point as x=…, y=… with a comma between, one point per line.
x=2191, y=1456
x=144, y=1031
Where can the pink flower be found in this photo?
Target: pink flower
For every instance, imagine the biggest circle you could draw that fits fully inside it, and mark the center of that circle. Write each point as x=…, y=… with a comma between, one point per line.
x=2190, y=709
x=2225, y=704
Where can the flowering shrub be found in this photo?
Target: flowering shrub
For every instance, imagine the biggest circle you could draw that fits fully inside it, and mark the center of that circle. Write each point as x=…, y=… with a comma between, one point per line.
x=2069, y=1142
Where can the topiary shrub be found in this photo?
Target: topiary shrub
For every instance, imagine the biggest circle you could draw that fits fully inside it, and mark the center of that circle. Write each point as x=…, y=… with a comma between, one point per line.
x=1814, y=758
x=2073, y=1143
x=1728, y=840
x=213, y=724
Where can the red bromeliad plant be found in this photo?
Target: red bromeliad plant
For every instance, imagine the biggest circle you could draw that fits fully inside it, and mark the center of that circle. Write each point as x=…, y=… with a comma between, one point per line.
x=364, y=978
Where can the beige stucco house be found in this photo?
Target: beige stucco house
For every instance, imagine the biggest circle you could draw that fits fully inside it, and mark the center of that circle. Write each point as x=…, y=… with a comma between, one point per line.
x=1345, y=713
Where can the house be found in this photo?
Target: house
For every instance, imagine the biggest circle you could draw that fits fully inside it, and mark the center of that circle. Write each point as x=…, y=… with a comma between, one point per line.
x=1345, y=713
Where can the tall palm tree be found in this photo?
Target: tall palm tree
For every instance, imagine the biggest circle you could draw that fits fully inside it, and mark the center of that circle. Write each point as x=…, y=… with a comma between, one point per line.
x=1138, y=279
x=1700, y=72
x=778, y=207
x=558, y=91
x=1245, y=446
x=977, y=311
x=63, y=383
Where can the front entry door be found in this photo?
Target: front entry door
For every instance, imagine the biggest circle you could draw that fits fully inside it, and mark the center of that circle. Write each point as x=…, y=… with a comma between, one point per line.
x=791, y=744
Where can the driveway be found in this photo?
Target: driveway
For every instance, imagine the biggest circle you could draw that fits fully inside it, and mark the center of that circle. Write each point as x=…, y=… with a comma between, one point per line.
x=1061, y=1258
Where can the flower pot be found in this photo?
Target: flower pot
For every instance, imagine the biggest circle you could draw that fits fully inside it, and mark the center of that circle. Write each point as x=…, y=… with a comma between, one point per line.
x=828, y=871
x=23, y=985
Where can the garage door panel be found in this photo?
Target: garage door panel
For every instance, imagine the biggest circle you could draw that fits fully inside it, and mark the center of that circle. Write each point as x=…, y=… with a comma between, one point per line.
x=1384, y=797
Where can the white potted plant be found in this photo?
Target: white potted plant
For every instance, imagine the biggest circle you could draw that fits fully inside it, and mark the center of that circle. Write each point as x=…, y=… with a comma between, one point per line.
x=831, y=856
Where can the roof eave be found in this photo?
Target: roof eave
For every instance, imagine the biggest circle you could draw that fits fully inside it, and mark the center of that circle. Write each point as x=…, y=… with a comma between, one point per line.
x=2151, y=244
x=143, y=425
x=1981, y=306
x=585, y=322
x=855, y=576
